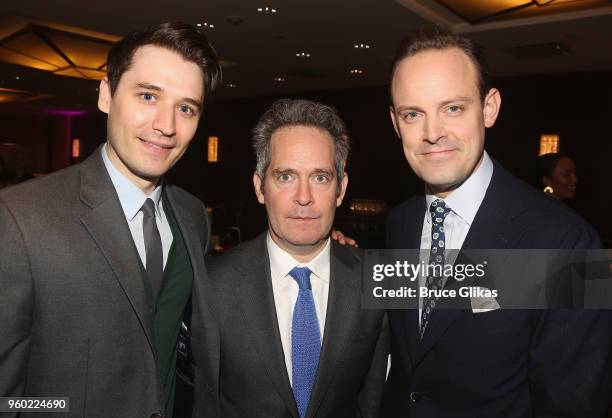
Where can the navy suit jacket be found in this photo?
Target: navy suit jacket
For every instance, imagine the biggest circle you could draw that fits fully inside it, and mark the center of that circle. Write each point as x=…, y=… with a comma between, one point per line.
x=502, y=363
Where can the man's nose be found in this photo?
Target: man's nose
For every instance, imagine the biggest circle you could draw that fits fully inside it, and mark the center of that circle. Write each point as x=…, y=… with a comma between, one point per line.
x=304, y=193
x=165, y=120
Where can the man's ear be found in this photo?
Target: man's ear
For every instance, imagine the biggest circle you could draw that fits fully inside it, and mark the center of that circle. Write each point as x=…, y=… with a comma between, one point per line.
x=104, y=95
x=491, y=106
x=342, y=191
x=258, y=185
x=394, y=120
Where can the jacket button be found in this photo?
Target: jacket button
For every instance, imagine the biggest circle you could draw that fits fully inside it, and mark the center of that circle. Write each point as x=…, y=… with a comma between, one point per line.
x=156, y=415
x=415, y=396
x=210, y=389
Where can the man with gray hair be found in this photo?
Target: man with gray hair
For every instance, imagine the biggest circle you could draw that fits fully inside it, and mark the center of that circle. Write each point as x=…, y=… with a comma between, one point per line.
x=294, y=339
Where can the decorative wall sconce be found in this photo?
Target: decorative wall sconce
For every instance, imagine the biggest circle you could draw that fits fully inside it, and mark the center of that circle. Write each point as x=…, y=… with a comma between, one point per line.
x=76, y=148
x=213, y=149
x=549, y=143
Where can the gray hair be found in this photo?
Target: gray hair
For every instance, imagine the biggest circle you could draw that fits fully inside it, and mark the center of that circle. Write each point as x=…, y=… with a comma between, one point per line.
x=299, y=112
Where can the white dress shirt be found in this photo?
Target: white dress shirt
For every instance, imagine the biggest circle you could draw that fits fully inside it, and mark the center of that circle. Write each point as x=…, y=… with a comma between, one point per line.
x=132, y=199
x=286, y=289
x=464, y=203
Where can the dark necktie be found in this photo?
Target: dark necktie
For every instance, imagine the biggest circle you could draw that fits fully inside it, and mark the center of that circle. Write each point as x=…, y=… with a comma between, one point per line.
x=305, y=341
x=153, y=246
x=438, y=211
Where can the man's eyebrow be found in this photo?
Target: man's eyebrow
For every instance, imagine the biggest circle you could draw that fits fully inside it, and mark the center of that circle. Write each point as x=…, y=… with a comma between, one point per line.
x=403, y=108
x=456, y=99
x=149, y=86
x=190, y=100
x=324, y=171
x=442, y=104
x=283, y=171
x=193, y=102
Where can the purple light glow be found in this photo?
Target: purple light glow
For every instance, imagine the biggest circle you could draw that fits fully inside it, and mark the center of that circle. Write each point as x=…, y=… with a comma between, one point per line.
x=65, y=112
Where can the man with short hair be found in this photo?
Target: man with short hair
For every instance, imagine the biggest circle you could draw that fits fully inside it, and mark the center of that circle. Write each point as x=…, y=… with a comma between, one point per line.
x=98, y=260
x=294, y=339
x=471, y=362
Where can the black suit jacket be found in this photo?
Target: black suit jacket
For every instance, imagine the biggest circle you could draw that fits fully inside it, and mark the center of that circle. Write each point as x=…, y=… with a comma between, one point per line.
x=502, y=363
x=253, y=379
x=75, y=319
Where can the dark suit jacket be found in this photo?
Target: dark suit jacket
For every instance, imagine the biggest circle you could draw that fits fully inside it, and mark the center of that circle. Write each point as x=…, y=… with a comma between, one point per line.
x=253, y=379
x=500, y=363
x=75, y=318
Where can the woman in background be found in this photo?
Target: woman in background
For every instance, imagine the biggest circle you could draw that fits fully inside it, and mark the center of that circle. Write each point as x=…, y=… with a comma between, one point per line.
x=557, y=175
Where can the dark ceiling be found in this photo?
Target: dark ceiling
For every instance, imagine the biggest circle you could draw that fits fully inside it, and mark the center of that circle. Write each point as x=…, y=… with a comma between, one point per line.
x=258, y=47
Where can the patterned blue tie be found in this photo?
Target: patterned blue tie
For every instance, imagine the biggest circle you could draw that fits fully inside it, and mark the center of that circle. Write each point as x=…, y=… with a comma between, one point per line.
x=305, y=340
x=438, y=211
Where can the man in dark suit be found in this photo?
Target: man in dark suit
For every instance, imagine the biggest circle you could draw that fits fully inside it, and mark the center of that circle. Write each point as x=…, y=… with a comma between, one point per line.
x=294, y=339
x=470, y=362
x=98, y=261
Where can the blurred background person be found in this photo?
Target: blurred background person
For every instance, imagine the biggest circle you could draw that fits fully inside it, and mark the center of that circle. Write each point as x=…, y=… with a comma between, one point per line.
x=557, y=176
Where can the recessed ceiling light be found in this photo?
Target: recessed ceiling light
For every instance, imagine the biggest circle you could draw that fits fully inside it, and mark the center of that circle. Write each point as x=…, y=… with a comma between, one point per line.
x=205, y=25
x=361, y=46
x=303, y=55
x=356, y=71
x=266, y=10
x=280, y=79
x=231, y=85
x=17, y=77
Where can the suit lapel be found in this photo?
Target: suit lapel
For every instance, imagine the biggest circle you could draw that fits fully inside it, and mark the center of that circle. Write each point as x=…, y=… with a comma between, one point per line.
x=344, y=303
x=202, y=288
x=106, y=223
x=493, y=226
x=492, y=229
x=256, y=300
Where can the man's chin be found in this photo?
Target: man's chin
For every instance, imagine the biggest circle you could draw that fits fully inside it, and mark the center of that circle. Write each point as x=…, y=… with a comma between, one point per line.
x=437, y=186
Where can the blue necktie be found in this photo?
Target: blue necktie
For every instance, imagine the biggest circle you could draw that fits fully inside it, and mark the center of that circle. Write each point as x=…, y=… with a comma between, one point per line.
x=438, y=211
x=305, y=340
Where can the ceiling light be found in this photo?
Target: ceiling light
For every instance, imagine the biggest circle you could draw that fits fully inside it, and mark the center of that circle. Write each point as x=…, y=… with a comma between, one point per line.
x=279, y=79
x=231, y=85
x=475, y=12
x=303, y=55
x=205, y=25
x=17, y=77
x=356, y=71
x=60, y=50
x=266, y=10
x=361, y=46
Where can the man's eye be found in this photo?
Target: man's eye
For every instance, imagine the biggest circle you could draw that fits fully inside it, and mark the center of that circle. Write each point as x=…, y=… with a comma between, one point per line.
x=320, y=178
x=147, y=97
x=454, y=109
x=186, y=109
x=411, y=115
x=284, y=177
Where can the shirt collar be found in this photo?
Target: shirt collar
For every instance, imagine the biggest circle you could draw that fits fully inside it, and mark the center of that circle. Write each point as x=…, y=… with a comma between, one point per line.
x=281, y=262
x=466, y=199
x=130, y=195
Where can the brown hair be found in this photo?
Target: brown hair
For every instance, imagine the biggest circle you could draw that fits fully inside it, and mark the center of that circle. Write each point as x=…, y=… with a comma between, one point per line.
x=182, y=38
x=437, y=39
